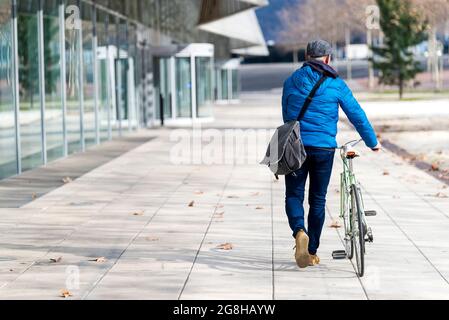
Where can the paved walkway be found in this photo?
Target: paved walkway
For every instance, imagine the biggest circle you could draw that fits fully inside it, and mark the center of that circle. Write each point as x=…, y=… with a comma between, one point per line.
x=134, y=211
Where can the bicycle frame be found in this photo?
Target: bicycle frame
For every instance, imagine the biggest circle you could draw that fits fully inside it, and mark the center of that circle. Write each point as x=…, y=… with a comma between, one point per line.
x=348, y=180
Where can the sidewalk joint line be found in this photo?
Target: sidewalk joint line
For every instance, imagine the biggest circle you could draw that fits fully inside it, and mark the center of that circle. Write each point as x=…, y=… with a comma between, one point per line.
x=205, y=233
x=97, y=282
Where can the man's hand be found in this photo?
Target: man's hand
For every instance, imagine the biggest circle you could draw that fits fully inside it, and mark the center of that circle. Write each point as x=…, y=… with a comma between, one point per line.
x=377, y=148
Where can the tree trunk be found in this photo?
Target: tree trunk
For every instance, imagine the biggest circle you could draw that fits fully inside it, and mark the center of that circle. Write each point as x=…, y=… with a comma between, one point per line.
x=348, y=61
x=295, y=58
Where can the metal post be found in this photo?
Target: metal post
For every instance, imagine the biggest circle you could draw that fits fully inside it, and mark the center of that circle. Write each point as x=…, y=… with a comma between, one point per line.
x=95, y=72
x=81, y=80
x=118, y=77
x=40, y=39
x=172, y=75
x=193, y=86
x=108, y=80
x=369, y=41
x=15, y=65
x=63, y=76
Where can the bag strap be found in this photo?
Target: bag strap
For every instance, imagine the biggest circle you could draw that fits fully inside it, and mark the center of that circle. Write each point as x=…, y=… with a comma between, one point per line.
x=310, y=97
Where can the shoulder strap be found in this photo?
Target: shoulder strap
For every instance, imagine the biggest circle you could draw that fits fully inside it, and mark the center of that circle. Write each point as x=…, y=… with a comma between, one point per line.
x=310, y=97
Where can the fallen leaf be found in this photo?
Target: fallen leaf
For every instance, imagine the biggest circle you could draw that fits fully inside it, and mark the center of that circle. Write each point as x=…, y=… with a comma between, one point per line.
x=99, y=260
x=11, y=270
x=335, y=224
x=56, y=260
x=386, y=173
x=138, y=213
x=67, y=180
x=152, y=239
x=65, y=293
x=225, y=246
x=192, y=203
x=441, y=195
x=259, y=208
x=435, y=167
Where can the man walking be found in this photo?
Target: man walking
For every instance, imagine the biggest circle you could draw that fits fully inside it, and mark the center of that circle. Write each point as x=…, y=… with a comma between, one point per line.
x=318, y=132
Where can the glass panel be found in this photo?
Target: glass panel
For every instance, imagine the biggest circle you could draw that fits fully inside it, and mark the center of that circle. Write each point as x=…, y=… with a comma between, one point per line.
x=88, y=63
x=121, y=76
x=8, y=165
x=112, y=56
x=204, y=86
x=165, y=87
x=224, y=84
x=235, y=84
x=183, y=88
x=103, y=74
x=72, y=79
x=30, y=114
x=133, y=94
x=53, y=104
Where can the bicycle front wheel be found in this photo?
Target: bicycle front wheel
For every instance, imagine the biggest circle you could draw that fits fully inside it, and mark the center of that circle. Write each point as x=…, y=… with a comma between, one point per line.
x=358, y=234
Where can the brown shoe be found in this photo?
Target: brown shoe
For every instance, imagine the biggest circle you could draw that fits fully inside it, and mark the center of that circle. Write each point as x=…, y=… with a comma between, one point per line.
x=302, y=250
x=314, y=260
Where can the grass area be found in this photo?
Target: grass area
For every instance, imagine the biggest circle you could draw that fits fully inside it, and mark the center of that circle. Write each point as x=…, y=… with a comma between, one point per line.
x=393, y=95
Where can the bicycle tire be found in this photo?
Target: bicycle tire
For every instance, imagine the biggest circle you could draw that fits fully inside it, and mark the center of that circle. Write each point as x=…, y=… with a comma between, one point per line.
x=349, y=247
x=358, y=235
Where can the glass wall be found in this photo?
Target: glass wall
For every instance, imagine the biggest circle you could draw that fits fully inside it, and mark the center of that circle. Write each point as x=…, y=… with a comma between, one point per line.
x=53, y=97
x=224, y=82
x=204, y=86
x=165, y=83
x=30, y=108
x=104, y=85
x=183, y=88
x=88, y=73
x=235, y=83
x=8, y=165
x=72, y=47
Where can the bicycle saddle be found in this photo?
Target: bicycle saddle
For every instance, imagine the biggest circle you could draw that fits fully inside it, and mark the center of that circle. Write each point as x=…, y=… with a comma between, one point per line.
x=351, y=153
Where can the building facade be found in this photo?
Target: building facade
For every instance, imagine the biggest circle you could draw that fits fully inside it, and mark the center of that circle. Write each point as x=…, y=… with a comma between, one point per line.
x=76, y=73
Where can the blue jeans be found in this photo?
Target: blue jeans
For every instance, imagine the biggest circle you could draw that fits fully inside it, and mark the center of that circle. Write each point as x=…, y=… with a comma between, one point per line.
x=318, y=166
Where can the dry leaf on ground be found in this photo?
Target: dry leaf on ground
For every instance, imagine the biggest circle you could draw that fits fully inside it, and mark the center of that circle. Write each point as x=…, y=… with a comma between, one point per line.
x=56, y=260
x=152, y=239
x=67, y=180
x=259, y=208
x=335, y=224
x=138, y=213
x=225, y=246
x=99, y=260
x=441, y=195
x=435, y=167
x=191, y=203
x=386, y=173
x=65, y=293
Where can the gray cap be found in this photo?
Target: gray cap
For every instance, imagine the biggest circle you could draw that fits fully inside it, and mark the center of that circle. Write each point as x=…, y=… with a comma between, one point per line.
x=318, y=48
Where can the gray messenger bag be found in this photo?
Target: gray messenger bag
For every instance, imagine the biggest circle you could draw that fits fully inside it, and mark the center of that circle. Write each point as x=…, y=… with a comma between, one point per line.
x=286, y=152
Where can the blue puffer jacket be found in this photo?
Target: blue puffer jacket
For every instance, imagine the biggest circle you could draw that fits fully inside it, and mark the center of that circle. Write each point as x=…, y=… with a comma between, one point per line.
x=319, y=125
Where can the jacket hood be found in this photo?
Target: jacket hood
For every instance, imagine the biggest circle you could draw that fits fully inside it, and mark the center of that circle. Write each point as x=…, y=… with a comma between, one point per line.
x=321, y=67
x=305, y=78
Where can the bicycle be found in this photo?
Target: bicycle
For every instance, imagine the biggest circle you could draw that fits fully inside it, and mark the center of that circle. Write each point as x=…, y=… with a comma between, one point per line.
x=352, y=212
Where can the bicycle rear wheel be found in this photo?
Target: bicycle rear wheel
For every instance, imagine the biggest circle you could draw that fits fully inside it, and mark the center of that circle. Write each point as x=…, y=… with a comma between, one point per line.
x=346, y=216
x=358, y=234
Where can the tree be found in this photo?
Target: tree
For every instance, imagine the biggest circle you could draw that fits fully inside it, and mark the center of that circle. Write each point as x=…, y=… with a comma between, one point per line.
x=435, y=13
x=403, y=28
